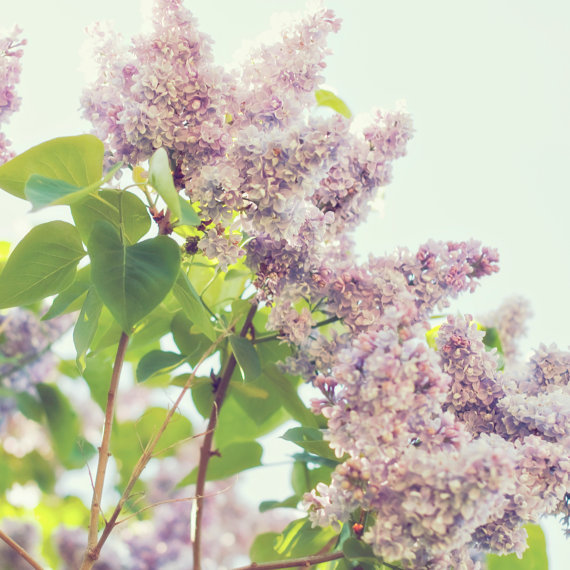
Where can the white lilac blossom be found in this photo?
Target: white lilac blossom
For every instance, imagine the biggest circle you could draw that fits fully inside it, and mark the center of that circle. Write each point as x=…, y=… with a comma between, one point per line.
x=10, y=68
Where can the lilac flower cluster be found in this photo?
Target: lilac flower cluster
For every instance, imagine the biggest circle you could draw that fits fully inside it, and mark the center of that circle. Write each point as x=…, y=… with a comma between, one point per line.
x=449, y=452
x=10, y=68
x=510, y=321
x=441, y=447
x=25, y=355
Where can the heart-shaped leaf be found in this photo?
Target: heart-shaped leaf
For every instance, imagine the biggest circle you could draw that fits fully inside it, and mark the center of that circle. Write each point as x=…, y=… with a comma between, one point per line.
x=43, y=263
x=122, y=209
x=131, y=280
x=76, y=160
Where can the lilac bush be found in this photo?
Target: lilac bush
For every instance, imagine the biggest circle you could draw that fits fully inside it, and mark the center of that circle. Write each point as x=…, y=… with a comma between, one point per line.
x=444, y=449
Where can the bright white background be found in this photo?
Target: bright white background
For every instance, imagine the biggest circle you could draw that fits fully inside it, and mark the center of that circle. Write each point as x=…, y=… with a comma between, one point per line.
x=488, y=85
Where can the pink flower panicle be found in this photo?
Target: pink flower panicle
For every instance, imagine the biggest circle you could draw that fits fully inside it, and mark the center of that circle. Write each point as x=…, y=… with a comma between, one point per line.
x=10, y=69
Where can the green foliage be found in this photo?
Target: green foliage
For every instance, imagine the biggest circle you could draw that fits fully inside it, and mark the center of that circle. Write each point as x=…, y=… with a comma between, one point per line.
x=193, y=306
x=64, y=427
x=534, y=558
x=310, y=439
x=77, y=160
x=42, y=264
x=300, y=538
x=122, y=209
x=160, y=177
x=329, y=99
x=158, y=362
x=131, y=279
x=229, y=460
x=131, y=438
x=246, y=357
x=86, y=326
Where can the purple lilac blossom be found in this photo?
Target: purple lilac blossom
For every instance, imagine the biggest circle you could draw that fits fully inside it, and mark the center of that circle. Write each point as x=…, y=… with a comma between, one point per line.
x=10, y=68
x=510, y=320
x=439, y=443
x=25, y=343
x=27, y=535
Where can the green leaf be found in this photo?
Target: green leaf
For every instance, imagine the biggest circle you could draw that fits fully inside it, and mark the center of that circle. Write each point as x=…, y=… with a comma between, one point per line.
x=243, y=418
x=130, y=438
x=42, y=191
x=43, y=263
x=125, y=211
x=97, y=375
x=158, y=362
x=310, y=439
x=131, y=280
x=288, y=503
x=160, y=178
x=29, y=406
x=304, y=479
x=86, y=326
x=193, y=307
x=491, y=339
x=263, y=548
x=77, y=160
x=188, y=216
x=232, y=459
x=355, y=549
x=63, y=424
x=329, y=99
x=534, y=557
x=70, y=298
x=289, y=396
x=246, y=357
x=301, y=539
x=193, y=346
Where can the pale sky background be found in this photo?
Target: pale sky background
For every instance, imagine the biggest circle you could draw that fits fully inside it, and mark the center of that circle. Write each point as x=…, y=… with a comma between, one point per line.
x=488, y=85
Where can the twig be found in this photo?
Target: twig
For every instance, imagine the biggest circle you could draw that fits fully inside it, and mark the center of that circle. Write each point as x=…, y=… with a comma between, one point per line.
x=206, y=449
x=276, y=335
x=147, y=455
x=21, y=551
x=90, y=554
x=306, y=562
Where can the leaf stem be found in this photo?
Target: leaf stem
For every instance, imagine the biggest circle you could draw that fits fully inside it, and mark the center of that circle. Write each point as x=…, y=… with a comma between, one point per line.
x=21, y=551
x=206, y=449
x=91, y=554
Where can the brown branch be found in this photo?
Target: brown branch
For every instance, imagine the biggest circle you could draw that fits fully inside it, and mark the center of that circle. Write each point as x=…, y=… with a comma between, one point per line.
x=21, y=551
x=90, y=554
x=147, y=455
x=294, y=562
x=206, y=449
